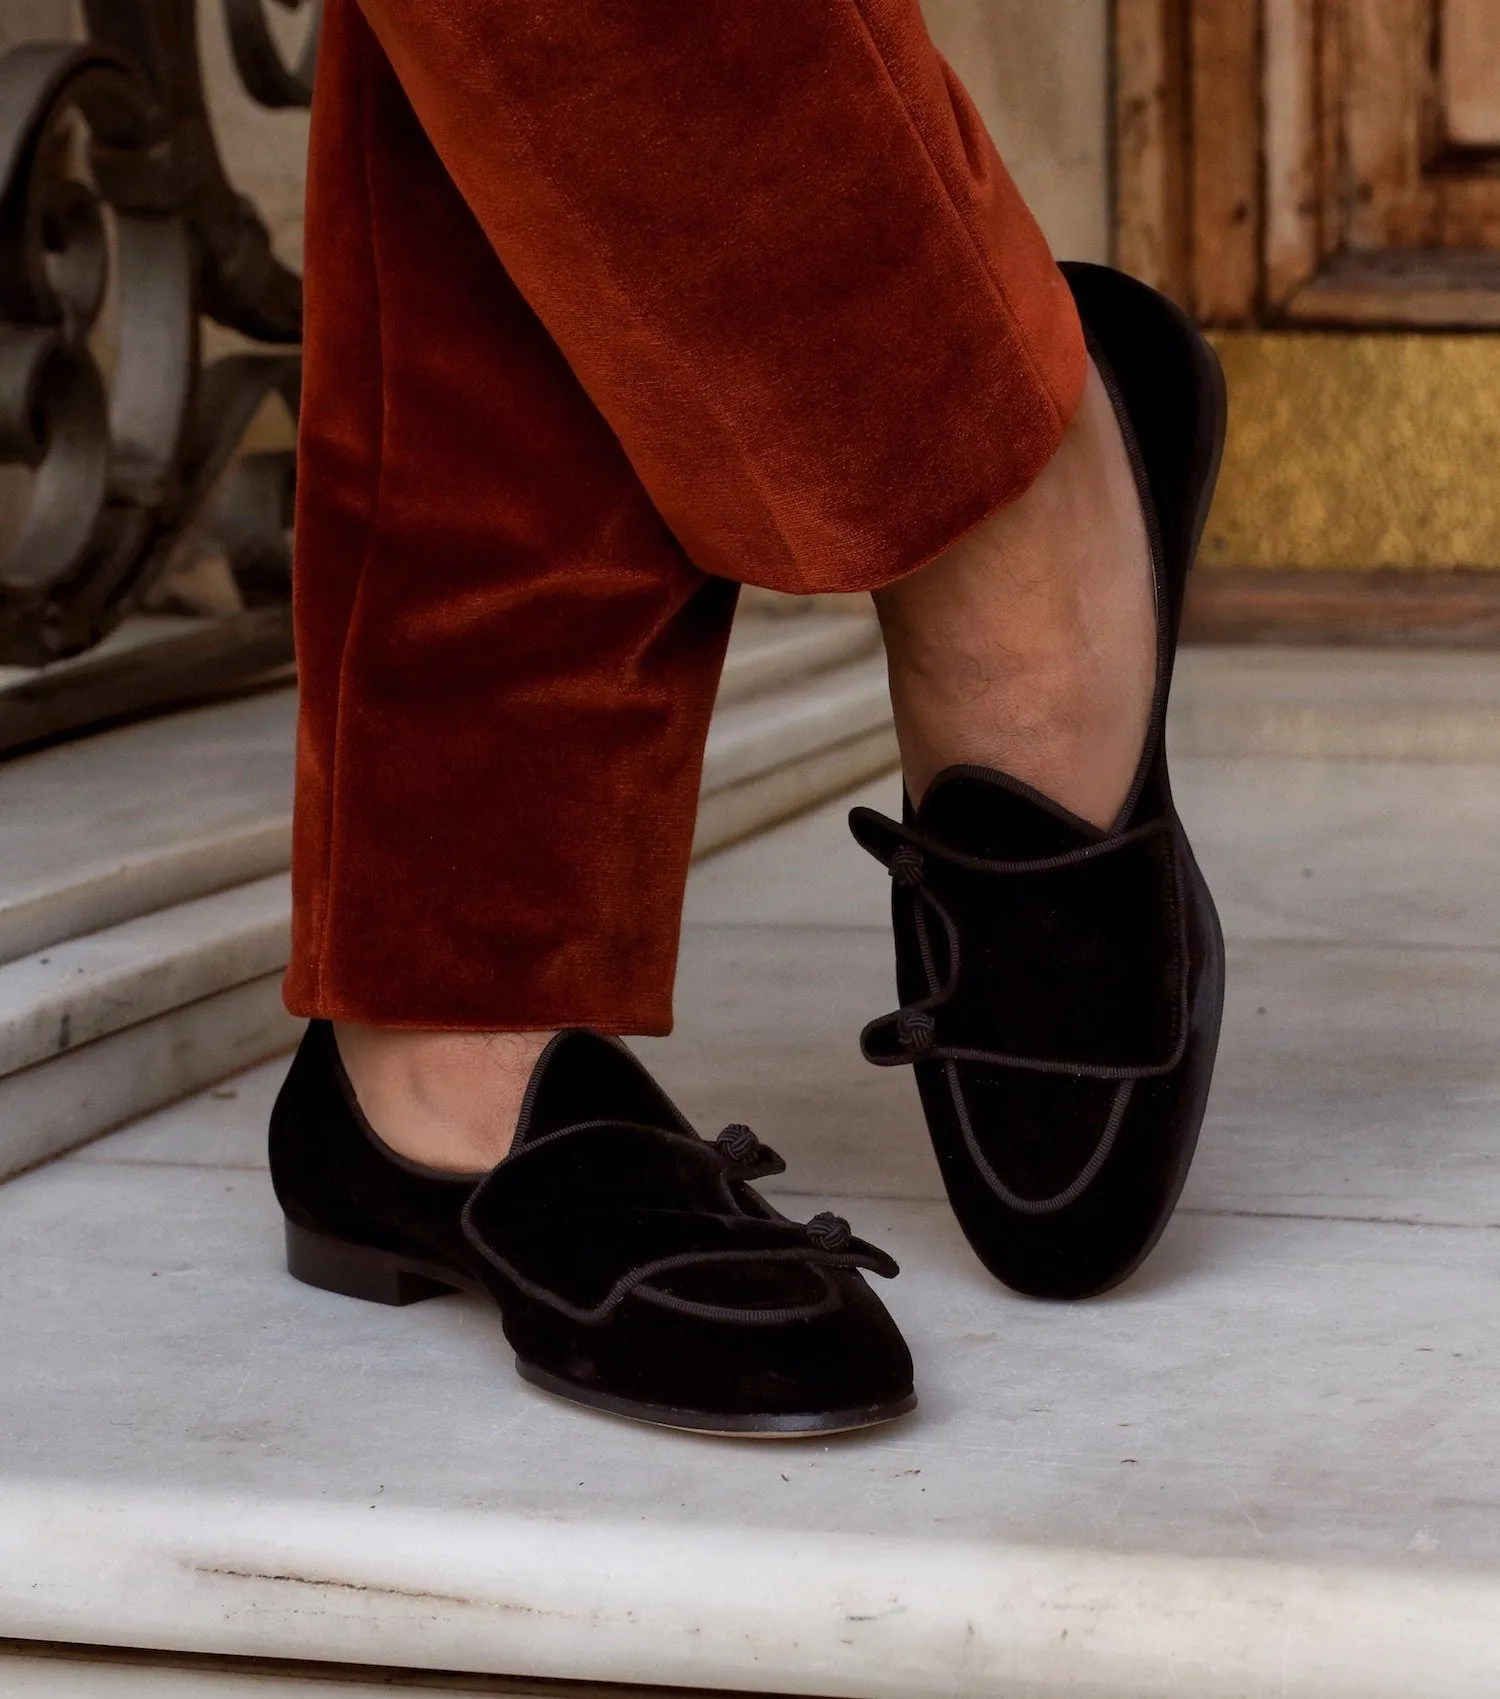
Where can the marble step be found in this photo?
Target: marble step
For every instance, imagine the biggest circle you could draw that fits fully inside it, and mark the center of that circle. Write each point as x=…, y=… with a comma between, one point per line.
x=767, y=651
x=1262, y=1469
x=57, y=1105
x=99, y=1029
x=99, y=830
x=1131, y=1500
x=105, y=828
x=774, y=755
x=83, y=989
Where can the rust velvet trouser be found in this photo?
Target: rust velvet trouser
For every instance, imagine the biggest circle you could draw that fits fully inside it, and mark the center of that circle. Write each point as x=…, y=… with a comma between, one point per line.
x=611, y=306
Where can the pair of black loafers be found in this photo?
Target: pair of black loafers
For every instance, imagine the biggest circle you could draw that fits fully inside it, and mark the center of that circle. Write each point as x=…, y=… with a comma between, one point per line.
x=1060, y=992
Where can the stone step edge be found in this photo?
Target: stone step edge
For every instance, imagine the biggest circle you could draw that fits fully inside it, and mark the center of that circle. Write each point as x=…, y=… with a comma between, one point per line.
x=29, y=1670
x=110, y=892
x=56, y=1106
x=777, y=1610
x=81, y=990
x=754, y=738
x=765, y=654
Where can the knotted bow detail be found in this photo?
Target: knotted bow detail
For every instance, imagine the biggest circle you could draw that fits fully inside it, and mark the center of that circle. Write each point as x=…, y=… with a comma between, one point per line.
x=1050, y=964
x=598, y=1213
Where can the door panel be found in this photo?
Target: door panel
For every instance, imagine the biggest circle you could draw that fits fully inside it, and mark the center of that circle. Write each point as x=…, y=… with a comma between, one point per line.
x=1340, y=159
x=1309, y=177
x=1469, y=45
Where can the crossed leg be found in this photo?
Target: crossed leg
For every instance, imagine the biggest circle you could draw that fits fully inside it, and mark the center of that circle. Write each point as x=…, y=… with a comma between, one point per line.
x=600, y=321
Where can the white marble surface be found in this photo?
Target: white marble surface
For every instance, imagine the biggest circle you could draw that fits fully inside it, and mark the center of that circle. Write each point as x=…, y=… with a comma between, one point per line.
x=1263, y=1468
x=97, y=831
x=56, y=1105
x=62, y=1675
x=1318, y=704
x=81, y=989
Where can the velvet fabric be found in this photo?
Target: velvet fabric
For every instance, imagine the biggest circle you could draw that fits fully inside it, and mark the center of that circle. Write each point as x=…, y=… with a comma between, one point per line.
x=635, y=1267
x=1062, y=986
x=611, y=306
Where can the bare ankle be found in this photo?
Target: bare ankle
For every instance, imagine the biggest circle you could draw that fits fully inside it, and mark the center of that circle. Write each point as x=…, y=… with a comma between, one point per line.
x=1030, y=646
x=444, y=1099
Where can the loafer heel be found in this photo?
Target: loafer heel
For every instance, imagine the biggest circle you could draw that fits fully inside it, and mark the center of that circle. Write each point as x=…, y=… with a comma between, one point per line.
x=355, y=1271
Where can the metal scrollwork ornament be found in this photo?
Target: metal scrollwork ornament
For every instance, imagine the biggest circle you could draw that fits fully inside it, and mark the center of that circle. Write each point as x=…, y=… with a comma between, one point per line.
x=112, y=190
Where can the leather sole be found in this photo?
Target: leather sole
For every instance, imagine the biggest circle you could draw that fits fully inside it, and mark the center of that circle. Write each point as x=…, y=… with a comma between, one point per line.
x=711, y=1422
x=380, y=1277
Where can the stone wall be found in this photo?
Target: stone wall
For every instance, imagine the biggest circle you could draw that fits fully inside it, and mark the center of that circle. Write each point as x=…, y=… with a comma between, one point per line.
x=265, y=152
x=1039, y=73
x=33, y=20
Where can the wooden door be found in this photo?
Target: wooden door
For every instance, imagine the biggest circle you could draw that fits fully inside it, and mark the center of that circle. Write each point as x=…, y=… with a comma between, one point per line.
x=1295, y=161
x=1331, y=169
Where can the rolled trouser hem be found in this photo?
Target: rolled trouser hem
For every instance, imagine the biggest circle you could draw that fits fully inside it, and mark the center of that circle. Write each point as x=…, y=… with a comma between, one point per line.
x=900, y=555
x=819, y=390
x=625, y=1020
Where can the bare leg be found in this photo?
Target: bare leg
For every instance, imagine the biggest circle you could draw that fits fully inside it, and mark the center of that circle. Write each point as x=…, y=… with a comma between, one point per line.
x=1030, y=645
x=444, y=1099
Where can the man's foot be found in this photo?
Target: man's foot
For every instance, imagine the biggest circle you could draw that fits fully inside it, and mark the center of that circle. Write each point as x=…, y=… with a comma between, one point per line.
x=635, y=1268
x=444, y=1099
x=1061, y=986
x=1030, y=646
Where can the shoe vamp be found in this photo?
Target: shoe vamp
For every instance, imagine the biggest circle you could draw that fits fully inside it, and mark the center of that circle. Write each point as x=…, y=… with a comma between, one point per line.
x=747, y=1286
x=1071, y=966
x=1036, y=1132
x=852, y=1356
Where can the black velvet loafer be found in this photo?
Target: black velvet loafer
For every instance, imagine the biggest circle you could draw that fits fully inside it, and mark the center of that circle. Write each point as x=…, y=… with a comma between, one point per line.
x=1061, y=985
x=635, y=1267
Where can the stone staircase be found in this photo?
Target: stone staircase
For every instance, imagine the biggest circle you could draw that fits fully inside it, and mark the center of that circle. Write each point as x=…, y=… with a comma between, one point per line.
x=143, y=890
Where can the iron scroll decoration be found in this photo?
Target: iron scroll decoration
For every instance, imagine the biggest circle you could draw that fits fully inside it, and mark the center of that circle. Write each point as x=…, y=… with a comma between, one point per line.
x=112, y=189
